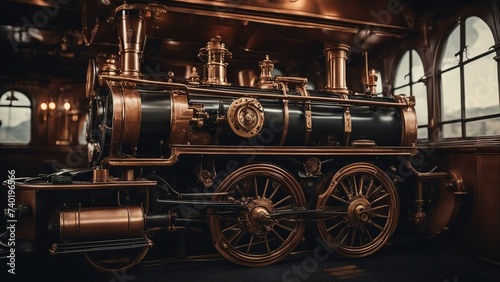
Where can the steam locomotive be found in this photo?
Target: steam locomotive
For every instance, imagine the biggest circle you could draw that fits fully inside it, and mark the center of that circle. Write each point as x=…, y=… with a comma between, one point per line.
x=257, y=164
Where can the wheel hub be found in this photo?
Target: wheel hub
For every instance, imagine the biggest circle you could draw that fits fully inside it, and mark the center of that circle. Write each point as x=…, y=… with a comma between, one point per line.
x=258, y=217
x=356, y=212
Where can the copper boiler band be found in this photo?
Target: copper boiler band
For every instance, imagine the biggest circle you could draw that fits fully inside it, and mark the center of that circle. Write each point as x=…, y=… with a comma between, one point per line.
x=127, y=113
x=101, y=223
x=180, y=118
x=409, y=122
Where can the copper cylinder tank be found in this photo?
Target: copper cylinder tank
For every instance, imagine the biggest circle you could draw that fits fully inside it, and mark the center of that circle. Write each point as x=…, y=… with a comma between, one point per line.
x=85, y=224
x=336, y=57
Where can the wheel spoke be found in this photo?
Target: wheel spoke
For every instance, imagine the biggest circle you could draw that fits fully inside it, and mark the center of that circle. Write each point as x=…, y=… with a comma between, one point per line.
x=284, y=207
x=377, y=208
x=354, y=185
x=236, y=236
x=274, y=192
x=349, y=195
x=335, y=226
x=369, y=187
x=267, y=245
x=278, y=235
x=285, y=227
x=367, y=232
x=379, y=215
x=341, y=232
x=265, y=188
x=282, y=200
x=230, y=227
x=236, y=187
x=362, y=180
x=380, y=198
x=250, y=244
x=256, y=187
x=340, y=199
x=353, y=236
x=376, y=225
x=374, y=191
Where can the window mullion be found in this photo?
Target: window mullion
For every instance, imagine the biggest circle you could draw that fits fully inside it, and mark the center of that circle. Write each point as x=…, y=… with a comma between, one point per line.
x=411, y=74
x=462, y=76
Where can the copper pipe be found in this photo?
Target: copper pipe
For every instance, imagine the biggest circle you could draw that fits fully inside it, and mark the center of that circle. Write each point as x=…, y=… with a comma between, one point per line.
x=227, y=93
x=343, y=102
x=131, y=36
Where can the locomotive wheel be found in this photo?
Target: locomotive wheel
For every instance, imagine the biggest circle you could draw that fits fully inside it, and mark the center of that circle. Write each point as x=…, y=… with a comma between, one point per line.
x=368, y=207
x=252, y=237
x=115, y=260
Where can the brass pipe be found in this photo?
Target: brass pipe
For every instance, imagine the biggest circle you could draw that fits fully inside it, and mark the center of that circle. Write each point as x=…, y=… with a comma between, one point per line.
x=131, y=36
x=217, y=93
x=344, y=102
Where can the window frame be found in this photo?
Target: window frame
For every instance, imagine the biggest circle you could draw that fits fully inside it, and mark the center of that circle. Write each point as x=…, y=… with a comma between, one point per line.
x=30, y=107
x=463, y=120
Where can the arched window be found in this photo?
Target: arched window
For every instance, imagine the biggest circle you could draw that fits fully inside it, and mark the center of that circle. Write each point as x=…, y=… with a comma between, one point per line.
x=15, y=118
x=409, y=80
x=470, y=100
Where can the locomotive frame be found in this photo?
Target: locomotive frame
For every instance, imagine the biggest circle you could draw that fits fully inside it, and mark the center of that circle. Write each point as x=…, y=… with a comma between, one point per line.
x=257, y=193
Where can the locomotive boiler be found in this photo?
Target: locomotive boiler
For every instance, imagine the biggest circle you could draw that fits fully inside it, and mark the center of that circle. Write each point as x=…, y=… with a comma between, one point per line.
x=257, y=164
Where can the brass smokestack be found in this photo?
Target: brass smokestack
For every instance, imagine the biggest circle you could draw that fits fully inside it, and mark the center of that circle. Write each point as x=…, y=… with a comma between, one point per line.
x=131, y=37
x=336, y=57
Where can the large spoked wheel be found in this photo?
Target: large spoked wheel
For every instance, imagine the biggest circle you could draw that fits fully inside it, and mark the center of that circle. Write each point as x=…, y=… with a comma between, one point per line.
x=255, y=237
x=116, y=260
x=368, y=209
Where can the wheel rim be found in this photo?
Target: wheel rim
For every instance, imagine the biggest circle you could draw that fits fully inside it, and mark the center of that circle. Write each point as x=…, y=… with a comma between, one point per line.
x=116, y=260
x=368, y=209
x=253, y=237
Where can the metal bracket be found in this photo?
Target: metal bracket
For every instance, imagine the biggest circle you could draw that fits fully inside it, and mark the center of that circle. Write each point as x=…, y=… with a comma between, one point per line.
x=347, y=124
x=307, y=110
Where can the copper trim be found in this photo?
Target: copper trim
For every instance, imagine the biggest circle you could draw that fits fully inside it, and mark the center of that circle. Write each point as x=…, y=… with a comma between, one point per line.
x=140, y=80
x=408, y=120
x=142, y=161
x=128, y=175
x=126, y=125
x=84, y=185
x=343, y=102
x=178, y=150
x=181, y=116
x=307, y=113
x=100, y=175
x=217, y=93
x=291, y=151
